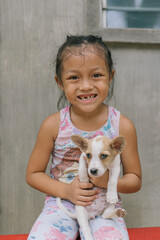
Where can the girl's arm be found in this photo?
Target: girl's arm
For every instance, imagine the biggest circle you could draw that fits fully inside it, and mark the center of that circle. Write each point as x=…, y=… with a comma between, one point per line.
x=131, y=180
x=132, y=176
x=35, y=173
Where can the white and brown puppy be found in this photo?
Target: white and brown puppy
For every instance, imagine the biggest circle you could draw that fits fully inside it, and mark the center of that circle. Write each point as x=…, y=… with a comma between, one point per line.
x=100, y=154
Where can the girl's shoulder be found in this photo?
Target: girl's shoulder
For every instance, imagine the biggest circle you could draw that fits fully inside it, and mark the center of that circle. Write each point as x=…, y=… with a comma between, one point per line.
x=126, y=126
x=51, y=125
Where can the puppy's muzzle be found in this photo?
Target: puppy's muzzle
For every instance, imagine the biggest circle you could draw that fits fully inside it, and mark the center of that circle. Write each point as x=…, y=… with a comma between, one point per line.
x=94, y=171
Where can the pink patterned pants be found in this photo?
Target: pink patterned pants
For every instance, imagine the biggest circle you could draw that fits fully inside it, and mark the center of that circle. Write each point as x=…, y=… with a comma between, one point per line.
x=53, y=224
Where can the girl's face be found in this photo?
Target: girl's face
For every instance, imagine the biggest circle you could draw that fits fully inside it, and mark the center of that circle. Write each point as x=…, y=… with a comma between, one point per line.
x=85, y=79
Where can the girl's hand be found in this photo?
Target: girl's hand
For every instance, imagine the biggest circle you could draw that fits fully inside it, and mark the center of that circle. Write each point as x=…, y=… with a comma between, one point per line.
x=101, y=181
x=81, y=194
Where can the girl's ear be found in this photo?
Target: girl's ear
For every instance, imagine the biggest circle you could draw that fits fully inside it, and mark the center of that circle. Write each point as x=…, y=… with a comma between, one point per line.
x=111, y=76
x=59, y=83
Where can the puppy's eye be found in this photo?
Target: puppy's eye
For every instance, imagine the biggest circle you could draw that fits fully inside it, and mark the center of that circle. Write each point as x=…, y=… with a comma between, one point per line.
x=104, y=156
x=89, y=155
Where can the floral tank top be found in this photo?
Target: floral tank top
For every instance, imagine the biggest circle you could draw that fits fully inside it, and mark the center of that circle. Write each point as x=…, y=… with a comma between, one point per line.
x=65, y=155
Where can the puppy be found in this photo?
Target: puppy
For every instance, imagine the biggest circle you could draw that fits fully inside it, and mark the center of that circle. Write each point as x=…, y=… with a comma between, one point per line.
x=100, y=154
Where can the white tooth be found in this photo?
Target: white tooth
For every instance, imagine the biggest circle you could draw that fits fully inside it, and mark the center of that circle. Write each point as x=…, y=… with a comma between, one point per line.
x=89, y=97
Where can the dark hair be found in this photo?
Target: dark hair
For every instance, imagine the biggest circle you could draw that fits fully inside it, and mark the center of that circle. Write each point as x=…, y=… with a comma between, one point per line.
x=77, y=41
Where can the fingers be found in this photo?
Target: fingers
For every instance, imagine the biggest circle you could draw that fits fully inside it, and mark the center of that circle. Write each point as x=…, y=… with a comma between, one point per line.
x=101, y=181
x=86, y=197
x=89, y=193
x=83, y=203
x=83, y=194
x=85, y=200
x=86, y=185
x=82, y=185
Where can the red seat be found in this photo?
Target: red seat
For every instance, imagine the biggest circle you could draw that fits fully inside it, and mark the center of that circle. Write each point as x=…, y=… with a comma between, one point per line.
x=14, y=237
x=150, y=233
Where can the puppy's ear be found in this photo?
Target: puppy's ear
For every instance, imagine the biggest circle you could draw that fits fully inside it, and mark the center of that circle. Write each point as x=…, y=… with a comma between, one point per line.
x=118, y=144
x=81, y=142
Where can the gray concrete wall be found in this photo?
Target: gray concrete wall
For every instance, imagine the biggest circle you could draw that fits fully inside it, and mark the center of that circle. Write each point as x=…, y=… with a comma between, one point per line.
x=31, y=32
x=138, y=97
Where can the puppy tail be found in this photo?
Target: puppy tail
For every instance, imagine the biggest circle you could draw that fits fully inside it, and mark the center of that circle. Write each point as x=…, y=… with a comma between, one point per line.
x=65, y=210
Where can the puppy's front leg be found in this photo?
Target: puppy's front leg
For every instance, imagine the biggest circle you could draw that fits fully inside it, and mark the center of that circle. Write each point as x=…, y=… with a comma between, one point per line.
x=82, y=217
x=82, y=170
x=114, y=172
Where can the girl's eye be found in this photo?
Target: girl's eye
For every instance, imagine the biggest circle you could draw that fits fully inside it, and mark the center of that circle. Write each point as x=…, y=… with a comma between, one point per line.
x=73, y=77
x=96, y=75
x=89, y=156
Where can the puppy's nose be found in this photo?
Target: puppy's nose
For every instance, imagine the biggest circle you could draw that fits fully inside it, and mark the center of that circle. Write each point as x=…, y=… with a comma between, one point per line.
x=94, y=171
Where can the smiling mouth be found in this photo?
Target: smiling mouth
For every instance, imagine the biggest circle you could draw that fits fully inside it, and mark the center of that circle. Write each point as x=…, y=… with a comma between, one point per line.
x=87, y=97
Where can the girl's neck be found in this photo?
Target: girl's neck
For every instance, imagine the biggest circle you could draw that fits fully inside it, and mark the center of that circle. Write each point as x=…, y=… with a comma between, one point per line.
x=89, y=121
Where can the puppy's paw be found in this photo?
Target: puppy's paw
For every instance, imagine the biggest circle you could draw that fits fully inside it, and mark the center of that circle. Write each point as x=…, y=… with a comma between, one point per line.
x=121, y=212
x=83, y=155
x=112, y=197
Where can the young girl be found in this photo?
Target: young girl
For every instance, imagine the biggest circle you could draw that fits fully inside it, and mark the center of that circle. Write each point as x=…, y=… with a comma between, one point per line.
x=85, y=74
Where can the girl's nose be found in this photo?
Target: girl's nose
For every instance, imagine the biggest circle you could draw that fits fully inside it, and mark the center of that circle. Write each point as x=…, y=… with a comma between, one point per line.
x=85, y=84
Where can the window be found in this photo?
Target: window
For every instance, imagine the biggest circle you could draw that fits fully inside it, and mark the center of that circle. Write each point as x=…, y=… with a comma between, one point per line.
x=131, y=13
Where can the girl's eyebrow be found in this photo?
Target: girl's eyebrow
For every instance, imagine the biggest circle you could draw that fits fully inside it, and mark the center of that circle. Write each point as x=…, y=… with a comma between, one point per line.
x=72, y=71
x=98, y=68
x=92, y=69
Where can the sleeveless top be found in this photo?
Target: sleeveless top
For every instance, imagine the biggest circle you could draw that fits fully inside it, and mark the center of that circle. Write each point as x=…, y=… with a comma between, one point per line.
x=65, y=155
